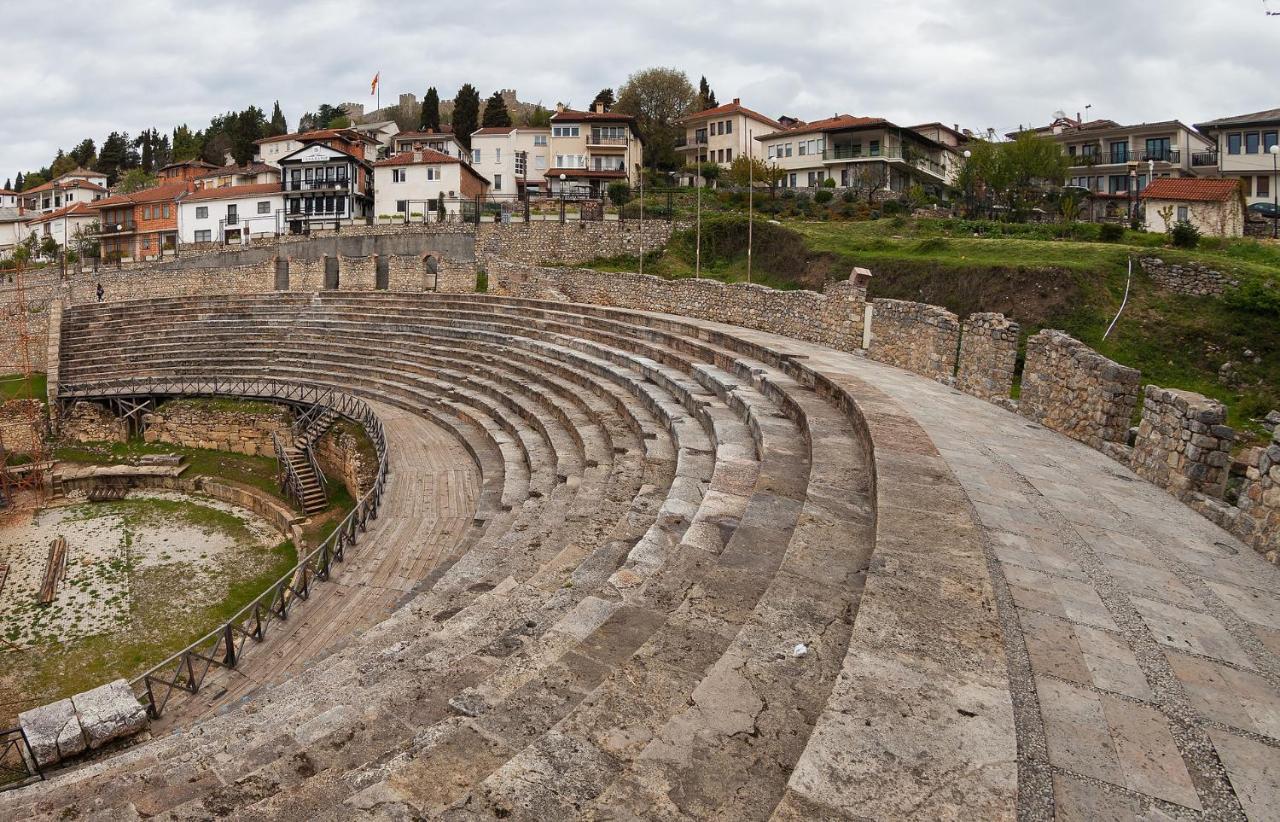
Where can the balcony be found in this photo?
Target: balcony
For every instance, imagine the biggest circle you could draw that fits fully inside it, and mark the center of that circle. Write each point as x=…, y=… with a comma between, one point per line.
x=595, y=141
x=338, y=184
x=1204, y=158
x=886, y=154
x=1164, y=155
x=116, y=228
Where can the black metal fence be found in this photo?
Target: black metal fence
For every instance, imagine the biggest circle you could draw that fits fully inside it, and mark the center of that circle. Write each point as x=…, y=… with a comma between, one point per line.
x=225, y=645
x=18, y=764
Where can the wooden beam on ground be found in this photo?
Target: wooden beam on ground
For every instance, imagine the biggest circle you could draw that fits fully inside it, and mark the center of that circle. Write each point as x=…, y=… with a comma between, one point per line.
x=54, y=570
x=4, y=574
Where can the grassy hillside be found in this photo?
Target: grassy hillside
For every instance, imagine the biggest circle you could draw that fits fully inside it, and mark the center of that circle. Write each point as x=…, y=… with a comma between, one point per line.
x=1039, y=278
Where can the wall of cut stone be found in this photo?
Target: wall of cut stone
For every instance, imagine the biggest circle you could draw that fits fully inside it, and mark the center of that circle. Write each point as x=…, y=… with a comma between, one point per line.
x=39, y=288
x=833, y=318
x=91, y=422
x=1195, y=279
x=1251, y=510
x=23, y=426
x=547, y=242
x=1183, y=443
x=204, y=424
x=988, y=356
x=1072, y=389
x=916, y=336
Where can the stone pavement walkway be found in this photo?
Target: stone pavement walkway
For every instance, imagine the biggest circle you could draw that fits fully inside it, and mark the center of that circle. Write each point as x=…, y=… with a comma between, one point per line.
x=1143, y=642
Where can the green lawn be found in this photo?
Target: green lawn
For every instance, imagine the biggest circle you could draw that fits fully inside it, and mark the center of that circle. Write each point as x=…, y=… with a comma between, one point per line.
x=14, y=387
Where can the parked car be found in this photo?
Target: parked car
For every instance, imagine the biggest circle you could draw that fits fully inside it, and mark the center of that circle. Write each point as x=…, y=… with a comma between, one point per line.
x=1267, y=210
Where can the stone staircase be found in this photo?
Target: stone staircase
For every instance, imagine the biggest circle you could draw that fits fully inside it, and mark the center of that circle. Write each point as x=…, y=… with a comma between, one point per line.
x=671, y=546
x=298, y=453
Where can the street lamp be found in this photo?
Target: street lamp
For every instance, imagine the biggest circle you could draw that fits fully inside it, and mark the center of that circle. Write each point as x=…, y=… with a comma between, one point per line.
x=563, y=178
x=1275, y=189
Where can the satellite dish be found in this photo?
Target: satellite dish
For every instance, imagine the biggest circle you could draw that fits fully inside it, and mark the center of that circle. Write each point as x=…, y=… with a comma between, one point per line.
x=1059, y=115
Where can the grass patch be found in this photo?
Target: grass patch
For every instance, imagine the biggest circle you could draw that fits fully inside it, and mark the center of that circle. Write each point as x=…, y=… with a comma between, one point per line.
x=258, y=472
x=224, y=405
x=14, y=387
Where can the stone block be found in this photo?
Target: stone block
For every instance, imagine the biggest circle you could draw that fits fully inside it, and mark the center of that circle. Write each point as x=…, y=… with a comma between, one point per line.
x=109, y=712
x=53, y=732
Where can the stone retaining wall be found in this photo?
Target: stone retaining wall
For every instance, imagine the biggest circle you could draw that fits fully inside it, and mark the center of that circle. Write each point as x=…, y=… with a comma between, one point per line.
x=1183, y=443
x=988, y=356
x=916, y=336
x=541, y=242
x=39, y=289
x=1072, y=389
x=92, y=422
x=833, y=318
x=1255, y=518
x=199, y=424
x=1196, y=279
x=23, y=425
x=339, y=455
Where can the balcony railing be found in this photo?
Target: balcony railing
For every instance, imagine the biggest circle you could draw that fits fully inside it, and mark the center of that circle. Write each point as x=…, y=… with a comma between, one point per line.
x=316, y=185
x=232, y=219
x=116, y=228
x=594, y=140
x=1164, y=155
x=884, y=153
x=1204, y=158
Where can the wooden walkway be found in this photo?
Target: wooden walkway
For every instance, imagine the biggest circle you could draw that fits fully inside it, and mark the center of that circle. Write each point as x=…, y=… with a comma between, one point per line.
x=428, y=509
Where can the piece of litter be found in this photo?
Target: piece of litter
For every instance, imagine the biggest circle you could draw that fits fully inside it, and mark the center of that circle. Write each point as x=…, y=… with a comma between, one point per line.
x=800, y=650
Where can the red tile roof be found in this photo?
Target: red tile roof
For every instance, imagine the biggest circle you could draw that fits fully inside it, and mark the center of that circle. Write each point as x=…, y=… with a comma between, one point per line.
x=156, y=194
x=424, y=157
x=1191, y=189
x=443, y=131
x=732, y=108
x=838, y=123
x=494, y=130
x=350, y=135
x=74, y=210
x=75, y=183
x=247, y=168
x=231, y=192
x=570, y=115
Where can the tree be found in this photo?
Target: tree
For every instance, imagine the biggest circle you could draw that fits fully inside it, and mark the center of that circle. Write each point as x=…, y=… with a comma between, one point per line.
x=135, y=179
x=114, y=157
x=323, y=117
x=8, y=184
x=1017, y=174
x=62, y=163
x=278, y=124
x=539, y=117
x=744, y=171
x=18, y=183
x=865, y=179
x=84, y=153
x=430, y=119
x=495, y=112
x=605, y=98
x=148, y=141
x=706, y=97
x=32, y=180
x=658, y=98
x=187, y=144
x=466, y=113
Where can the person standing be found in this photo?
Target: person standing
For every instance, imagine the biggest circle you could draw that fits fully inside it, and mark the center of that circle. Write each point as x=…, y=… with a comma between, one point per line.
x=100, y=292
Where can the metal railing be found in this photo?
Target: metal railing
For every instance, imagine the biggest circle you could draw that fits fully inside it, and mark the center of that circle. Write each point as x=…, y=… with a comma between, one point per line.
x=316, y=185
x=225, y=645
x=116, y=228
x=18, y=766
x=884, y=153
x=286, y=474
x=593, y=140
x=1164, y=155
x=1204, y=158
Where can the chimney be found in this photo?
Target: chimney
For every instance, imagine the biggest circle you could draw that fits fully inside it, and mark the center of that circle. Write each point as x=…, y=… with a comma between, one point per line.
x=1078, y=120
x=599, y=108
x=955, y=126
x=417, y=156
x=737, y=101
x=559, y=108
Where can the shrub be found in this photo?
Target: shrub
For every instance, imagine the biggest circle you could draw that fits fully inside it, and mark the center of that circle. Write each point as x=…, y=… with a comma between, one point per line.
x=823, y=196
x=847, y=195
x=619, y=193
x=1184, y=235
x=788, y=193
x=1255, y=297
x=1111, y=232
x=891, y=207
x=482, y=281
x=1212, y=243
x=830, y=182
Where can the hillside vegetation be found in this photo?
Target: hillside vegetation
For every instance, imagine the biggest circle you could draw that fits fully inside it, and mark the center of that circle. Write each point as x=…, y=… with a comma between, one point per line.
x=1041, y=275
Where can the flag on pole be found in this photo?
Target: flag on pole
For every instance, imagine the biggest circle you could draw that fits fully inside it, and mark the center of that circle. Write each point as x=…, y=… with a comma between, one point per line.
x=373, y=87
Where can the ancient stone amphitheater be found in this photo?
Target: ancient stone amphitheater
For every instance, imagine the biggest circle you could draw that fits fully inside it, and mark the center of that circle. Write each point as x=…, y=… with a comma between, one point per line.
x=639, y=565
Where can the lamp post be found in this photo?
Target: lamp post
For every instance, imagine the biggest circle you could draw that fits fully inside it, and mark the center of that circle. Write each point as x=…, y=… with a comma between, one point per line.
x=1133, y=195
x=967, y=155
x=1275, y=189
x=563, y=178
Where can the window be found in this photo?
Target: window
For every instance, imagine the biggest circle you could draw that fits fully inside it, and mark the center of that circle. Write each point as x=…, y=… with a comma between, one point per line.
x=874, y=148
x=264, y=207
x=728, y=155
x=813, y=178
x=802, y=148
x=475, y=156
x=402, y=206
x=166, y=211
x=788, y=147
x=202, y=212
x=1264, y=187
x=1120, y=152
x=728, y=126
x=1119, y=183
x=844, y=177
x=539, y=139
x=497, y=155
x=792, y=178
x=1268, y=140
x=146, y=243
x=1158, y=148
x=1252, y=141
x=1246, y=186
x=398, y=175
x=204, y=236
x=1183, y=214
x=433, y=173
x=540, y=162
x=497, y=182
x=342, y=205
x=565, y=131
x=1233, y=143
x=771, y=152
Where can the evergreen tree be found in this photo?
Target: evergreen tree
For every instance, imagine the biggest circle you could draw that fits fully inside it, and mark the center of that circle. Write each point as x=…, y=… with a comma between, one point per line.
x=84, y=154
x=539, y=117
x=34, y=179
x=114, y=157
x=495, y=112
x=147, y=143
x=17, y=183
x=162, y=153
x=606, y=97
x=466, y=113
x=187, y=144
x=8, y=184
x=706, y=97
x=62, y=163
x=278, y=124
x=430, y=120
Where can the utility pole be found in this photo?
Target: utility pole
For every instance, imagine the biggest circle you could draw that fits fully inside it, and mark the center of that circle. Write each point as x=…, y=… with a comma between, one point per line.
x=642, y=212
x=697, y=252
x=751, y=190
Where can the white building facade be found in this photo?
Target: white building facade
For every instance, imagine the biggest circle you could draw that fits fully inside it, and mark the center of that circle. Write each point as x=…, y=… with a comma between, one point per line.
x=231, y=215
x=412, y=184
x=514, y=160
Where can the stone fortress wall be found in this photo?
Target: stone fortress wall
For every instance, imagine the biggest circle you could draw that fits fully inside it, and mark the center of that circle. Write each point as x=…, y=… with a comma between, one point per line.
x=1066, y=386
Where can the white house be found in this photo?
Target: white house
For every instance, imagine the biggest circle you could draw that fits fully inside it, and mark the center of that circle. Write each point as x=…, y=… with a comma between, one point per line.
x=230, y=215
x=12, y=228
x=442, y=140
x=78, y=186
x=1214, y=206
x=8, y=199
x=413, y=183
x=67, y=226
x=514, y=159
x=271, y=150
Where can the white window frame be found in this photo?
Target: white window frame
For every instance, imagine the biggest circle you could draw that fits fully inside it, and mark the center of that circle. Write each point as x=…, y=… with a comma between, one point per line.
x=202, y=212
x=399, y=175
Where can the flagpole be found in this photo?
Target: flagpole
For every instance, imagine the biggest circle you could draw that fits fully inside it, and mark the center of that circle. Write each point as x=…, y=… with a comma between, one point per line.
x=751, y=188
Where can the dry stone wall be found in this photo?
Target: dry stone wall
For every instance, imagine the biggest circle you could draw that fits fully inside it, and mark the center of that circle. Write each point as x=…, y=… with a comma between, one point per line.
x=92, y=422
x=23, y=426
x=988, y=356
x=916, y=336
x=341, y=457
x=542, y=242
x=1183, y=443
x=833, y=318
x=202, y=424
x=39, y=289
x=1070, y=388
x=1195, y=279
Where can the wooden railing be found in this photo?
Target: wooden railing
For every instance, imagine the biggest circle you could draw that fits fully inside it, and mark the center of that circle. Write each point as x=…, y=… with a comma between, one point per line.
x=226, y=644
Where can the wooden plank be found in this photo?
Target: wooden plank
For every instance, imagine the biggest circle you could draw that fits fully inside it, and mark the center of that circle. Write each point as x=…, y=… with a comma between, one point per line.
x=4, y=575
x=54, y=570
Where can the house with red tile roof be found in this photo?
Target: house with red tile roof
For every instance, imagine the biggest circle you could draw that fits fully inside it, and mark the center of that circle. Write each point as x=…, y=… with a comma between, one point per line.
x=356, y=143
x=77, y=186
x=66, y=225
x=141, y=225
x=590, y=149
x=723, y=133
x=1242, y=146
x=239, y=175
x=442, y=140
x=515, y=159
x=868, y=154
x=231, y=215
x=327, y=183
x=419, y=182
x=1215, y=206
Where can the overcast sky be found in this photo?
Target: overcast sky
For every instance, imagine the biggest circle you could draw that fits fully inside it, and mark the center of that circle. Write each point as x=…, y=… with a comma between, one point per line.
x=81, y=69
